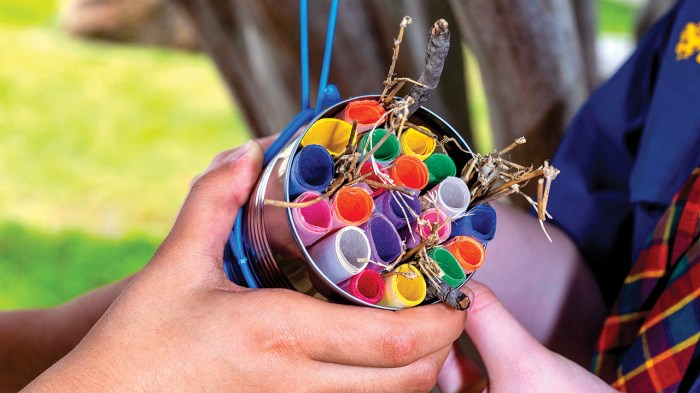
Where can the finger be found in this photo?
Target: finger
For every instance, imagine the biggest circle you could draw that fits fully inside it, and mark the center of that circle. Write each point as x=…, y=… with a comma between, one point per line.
x=460, y=373
x=266, y=141
x=501, y=341
x=419, y=376
x=207, y=216
x=368, y=337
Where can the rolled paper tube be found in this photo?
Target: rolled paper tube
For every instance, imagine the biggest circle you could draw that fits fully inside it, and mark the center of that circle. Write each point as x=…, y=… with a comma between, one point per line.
x=342, y=254
x=452, y=196
x=312, y=170
x=367, y=285
x=384, y=240
x=333, y=134
x=401, y=291
x=312, y=222
x=399, y=208
x=366, y=168
x=468, y=251
x=351, y=206
x=440, y=166
x=366, y=112
x=420, y=229
x=454, y=274
x=363, y=186
x=387, y=152
x=417, y=144
x=479, y=223
x=410, y=172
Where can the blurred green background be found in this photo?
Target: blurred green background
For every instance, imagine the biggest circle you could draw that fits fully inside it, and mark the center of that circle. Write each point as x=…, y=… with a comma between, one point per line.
x=98, y=144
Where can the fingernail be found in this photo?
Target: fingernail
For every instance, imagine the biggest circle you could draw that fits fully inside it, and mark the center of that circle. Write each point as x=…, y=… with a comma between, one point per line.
x=240, y=151
x=470, y=294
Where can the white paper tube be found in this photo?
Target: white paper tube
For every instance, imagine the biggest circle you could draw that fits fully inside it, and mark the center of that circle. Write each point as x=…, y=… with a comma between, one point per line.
x=339, y=255
x=452, y=196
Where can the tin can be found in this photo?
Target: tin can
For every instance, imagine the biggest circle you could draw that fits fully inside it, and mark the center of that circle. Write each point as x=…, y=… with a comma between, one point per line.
x=275, y=252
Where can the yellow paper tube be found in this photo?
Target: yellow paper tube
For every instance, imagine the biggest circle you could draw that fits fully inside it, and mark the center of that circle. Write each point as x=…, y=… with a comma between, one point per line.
x=417, y=144
x=402, y=292
x=333, y=134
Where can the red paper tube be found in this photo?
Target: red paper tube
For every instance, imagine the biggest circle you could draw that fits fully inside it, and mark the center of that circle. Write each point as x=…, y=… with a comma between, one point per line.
x=409, y=171
x=368, y=168
x=351, y=206
x=368, y=114
x=367, y=285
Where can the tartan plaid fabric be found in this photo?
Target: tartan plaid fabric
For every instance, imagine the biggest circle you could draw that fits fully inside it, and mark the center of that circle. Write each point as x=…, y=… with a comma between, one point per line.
x=649, y=339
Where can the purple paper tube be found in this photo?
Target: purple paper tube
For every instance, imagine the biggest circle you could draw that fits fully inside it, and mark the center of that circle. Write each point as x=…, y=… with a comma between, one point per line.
x=312, y=170
x=479, y=223
x=312, y=222
x=384, y=240
x=367, y=285
x=414, y=234
x=399, y=208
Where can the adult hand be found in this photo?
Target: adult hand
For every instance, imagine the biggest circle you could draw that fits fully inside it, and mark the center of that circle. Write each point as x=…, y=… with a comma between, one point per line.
x=181, y=325
x=515, y=361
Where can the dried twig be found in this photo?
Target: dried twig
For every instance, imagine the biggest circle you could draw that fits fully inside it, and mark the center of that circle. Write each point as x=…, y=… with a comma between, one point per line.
x=451, y=296
x=436, y=53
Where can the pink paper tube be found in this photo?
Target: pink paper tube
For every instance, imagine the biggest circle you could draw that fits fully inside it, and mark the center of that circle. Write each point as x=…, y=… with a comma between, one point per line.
x=351, y=206
x=384, y=240
x=368, y=168
x=452, y=196
x=367, y=285
x=367, y=113
x=420, y=229
x=342, y=254
x=312, y=222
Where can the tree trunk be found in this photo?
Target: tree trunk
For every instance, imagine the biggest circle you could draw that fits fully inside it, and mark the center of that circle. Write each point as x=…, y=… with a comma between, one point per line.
x=532, y=65
x=255, y=45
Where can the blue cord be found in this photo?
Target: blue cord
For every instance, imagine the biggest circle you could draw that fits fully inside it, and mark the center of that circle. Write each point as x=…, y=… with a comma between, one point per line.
x=304, y=38
x=328, y=51
x=327, y=95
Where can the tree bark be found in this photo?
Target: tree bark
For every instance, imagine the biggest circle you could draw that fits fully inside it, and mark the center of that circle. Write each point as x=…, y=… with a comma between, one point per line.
x=255, y=46
x=532, y=65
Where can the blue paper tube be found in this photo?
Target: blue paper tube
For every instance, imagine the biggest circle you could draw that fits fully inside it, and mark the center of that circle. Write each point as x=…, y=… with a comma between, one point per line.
x=312, y=170
x=479, y=223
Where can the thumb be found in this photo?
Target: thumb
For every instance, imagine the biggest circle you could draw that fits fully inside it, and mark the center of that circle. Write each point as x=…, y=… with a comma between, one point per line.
x=208, y=214
x=504, y=345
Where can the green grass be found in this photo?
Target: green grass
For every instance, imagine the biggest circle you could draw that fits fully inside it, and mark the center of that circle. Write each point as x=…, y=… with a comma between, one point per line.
x=98, y=144
x=41, y=269
x=615, y=17
x=27, y=12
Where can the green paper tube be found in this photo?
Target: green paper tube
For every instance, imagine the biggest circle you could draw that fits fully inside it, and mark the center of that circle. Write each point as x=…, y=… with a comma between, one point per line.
x=387, y=152
x=440, y=166
x=454, y=274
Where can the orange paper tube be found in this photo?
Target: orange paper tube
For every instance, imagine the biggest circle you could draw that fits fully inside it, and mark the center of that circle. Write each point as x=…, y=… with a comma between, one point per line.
x=468, y=252
x=409, y=171
x=351, y=206
x=367, y=113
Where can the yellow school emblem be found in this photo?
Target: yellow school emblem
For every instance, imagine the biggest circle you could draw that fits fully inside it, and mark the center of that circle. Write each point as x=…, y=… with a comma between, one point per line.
x=689, y=42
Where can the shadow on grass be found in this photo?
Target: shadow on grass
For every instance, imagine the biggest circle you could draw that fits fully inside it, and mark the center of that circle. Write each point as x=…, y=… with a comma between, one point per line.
x=40, y=269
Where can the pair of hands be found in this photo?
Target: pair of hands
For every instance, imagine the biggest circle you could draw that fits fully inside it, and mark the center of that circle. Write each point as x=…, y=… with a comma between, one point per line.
x=181, y=325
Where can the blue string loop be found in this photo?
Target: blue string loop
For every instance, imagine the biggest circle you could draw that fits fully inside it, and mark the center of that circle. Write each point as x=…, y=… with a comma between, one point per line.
x=241, y=272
